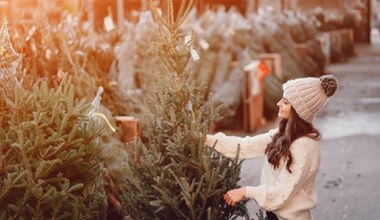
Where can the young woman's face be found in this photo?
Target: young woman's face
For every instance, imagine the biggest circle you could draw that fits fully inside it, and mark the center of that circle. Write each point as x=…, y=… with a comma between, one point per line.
x=284, y=108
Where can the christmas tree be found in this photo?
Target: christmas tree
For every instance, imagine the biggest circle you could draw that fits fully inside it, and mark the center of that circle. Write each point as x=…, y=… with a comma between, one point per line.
x=51, y=163
x=8, y=58
x=50, y=50
x=171, y=174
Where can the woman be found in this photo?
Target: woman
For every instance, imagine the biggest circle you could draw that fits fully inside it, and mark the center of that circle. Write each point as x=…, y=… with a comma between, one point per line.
x=287, y=186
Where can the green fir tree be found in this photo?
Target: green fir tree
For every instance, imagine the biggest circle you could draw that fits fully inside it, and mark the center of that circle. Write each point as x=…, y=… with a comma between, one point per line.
x=171, y=174
x=50, y=155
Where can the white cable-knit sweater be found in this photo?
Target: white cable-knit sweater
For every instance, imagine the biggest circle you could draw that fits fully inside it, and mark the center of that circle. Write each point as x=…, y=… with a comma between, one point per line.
x=288, y=195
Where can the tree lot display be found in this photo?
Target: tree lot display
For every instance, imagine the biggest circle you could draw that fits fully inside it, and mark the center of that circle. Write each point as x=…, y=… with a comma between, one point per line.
x=226, y=42
x=125, y=64
x=122, y=62
x=50, y=50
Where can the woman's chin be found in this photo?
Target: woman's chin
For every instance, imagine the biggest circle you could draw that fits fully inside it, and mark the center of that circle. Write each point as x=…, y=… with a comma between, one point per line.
x=281, y=116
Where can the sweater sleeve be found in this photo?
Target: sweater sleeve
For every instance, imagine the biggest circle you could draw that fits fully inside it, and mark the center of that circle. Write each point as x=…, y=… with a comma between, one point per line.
x=277, y=195
x=249, y=146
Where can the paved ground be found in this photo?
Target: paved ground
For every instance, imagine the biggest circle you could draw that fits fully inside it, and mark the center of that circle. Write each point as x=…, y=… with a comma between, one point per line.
x=348, y=182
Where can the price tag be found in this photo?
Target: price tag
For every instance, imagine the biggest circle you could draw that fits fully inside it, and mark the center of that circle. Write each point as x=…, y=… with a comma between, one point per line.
x=204, y=44
x=108, y=23
x=48, y=54
x=187, y=39
x=194, y=54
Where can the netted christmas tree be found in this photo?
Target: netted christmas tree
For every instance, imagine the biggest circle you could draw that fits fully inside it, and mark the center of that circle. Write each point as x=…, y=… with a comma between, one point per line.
x=49, y=50
x=172, y=174
x=8, y=59
x=50, y=151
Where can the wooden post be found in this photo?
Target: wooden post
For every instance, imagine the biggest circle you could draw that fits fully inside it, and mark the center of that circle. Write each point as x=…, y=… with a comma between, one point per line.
x=253, y=100
x=144, y=5
x=89, y=5
x=368, y=24
x=252, y=6
x=282, y=5
x=257, y=5
x=3, y=9
x=294, y=5
x=120, y=13
x=130, y=127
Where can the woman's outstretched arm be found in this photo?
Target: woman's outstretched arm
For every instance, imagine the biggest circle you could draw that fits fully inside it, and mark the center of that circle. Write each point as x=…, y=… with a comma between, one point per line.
x=249, y=146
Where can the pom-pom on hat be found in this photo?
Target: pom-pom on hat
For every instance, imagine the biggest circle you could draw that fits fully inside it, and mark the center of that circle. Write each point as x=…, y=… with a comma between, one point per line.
x=309, y=95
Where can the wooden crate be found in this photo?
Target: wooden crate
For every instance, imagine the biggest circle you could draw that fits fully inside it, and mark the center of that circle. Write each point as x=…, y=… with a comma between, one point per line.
x=130, y=127
x=253, y=100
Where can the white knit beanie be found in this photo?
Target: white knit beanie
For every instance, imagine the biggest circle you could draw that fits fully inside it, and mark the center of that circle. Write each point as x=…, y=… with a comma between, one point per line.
x=309, y=95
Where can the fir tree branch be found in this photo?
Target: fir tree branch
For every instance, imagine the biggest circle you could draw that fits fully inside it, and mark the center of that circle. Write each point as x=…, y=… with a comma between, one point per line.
x=185, y=13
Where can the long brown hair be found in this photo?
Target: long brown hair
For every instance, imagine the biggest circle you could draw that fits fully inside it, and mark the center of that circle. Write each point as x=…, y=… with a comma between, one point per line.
x=289, y=130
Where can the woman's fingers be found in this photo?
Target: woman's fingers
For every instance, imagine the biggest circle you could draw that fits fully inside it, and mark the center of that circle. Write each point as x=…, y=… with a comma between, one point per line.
x=230, y=201
x=234, y=196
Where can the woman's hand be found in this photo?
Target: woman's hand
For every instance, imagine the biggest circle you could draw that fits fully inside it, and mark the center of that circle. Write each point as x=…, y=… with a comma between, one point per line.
x=234, y=196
